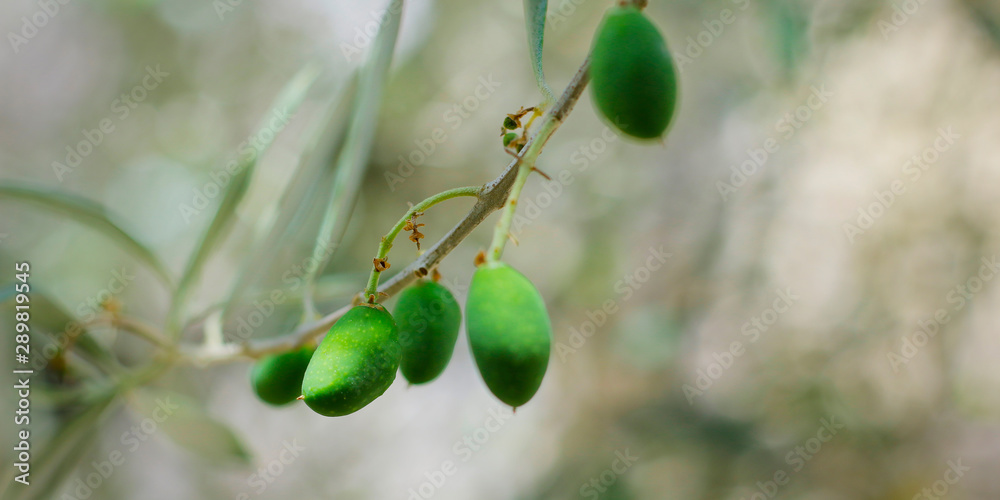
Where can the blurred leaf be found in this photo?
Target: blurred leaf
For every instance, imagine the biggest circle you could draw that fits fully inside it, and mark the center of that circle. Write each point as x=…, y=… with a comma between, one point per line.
x=287, y=103
x=185, y=422
x=49, y=317
x=791, y=22
x=534, y=23
x=299, y=199
x=353, y=159
x=51, y=466
x=86, y=212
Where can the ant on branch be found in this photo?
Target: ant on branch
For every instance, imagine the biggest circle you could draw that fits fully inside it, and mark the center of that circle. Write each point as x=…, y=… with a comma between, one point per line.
x=514, y=142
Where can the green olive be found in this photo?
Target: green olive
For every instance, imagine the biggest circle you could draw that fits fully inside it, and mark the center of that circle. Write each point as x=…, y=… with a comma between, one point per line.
x=633, y=79
x=508, y=138
x=354, y=364
x=277, y=379
x=429, y=318
x=509, y=332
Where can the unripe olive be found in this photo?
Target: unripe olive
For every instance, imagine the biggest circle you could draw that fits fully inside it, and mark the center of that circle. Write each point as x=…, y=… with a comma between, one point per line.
x=508, y=138
x=428, y=317
x=354, y=364
x=509, y=332
x=277, y=379
x=633, y=79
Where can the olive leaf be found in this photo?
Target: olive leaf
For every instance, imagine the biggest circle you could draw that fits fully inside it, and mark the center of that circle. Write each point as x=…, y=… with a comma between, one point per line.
x=286, y=103
x=353, y=158
x=300, y=198
x=49, y=317
x=791, y=32
x=185, y=422
x=86, y=212
x=534, y=23
x=51, y=465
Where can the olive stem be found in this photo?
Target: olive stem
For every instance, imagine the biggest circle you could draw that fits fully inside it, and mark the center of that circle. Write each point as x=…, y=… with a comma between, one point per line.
x=502, y=231
x=371, y=291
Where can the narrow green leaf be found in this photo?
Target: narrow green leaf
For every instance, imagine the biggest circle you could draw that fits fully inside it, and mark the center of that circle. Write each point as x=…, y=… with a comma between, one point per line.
x=62, y=452
x=49, y=317
x=534, y=23
x=286, y=103
x=353, y=158
x=300, y=198
x=185, y=422
x=89, y=213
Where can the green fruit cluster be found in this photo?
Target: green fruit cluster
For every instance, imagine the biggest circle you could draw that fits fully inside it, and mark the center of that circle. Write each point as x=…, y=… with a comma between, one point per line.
x=509, y=335
x=633, y=79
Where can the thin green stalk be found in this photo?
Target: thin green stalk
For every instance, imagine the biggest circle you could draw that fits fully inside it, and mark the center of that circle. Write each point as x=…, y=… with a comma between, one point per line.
x=528, y=158
x=386, y=244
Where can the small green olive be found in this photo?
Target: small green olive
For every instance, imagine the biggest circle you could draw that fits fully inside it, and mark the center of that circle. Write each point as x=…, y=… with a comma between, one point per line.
x=509, y=332
x=277, y=379
x=354, y=364
x=428, y=317
x=633, y=79
x=508, y=138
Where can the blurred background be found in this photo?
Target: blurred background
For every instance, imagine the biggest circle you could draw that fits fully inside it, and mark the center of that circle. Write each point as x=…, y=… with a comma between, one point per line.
x=790, y=297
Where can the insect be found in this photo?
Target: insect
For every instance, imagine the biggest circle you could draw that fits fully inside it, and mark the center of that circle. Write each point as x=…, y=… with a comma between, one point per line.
x=513, y=141
x=513, y=121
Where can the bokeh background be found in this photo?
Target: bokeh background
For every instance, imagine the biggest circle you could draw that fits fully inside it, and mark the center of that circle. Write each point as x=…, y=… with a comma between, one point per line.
x=820, y=322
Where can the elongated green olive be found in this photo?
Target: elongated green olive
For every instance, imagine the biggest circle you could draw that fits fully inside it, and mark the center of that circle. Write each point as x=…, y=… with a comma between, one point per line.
x=509, y=332
x=429, y=318
x=633, y=79
x=354, y=364
x=277, y=379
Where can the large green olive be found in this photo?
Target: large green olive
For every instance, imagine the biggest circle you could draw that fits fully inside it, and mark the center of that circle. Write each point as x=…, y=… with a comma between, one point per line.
x=354, y=364
x=277, y=379
x=429, y=318
x=509, y=332
x=633, y=79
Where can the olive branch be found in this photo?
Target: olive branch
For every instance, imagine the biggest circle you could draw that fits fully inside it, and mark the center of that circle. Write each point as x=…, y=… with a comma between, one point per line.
x=491, y=197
